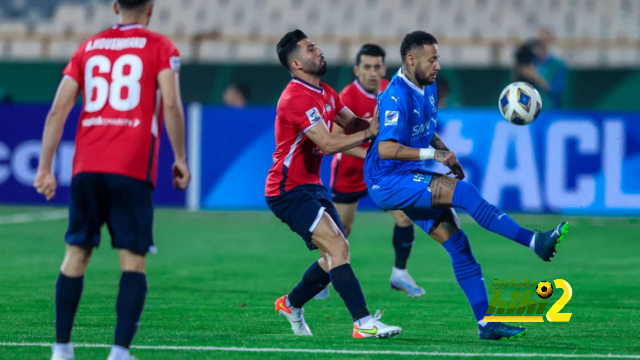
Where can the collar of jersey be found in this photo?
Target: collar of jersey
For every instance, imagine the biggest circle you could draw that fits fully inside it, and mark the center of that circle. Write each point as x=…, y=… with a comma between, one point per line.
x=411, y=85
x=363, y=91
x=308, y=85
x=127, y=27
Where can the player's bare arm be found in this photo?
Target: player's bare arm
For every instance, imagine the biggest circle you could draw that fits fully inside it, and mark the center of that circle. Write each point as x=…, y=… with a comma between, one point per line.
x=391, y=150
x=347, y=120
x=66, y=96
x=169, y=82
x=456, y=169
x=357, y=152
x=335, y=143
x=437, y=143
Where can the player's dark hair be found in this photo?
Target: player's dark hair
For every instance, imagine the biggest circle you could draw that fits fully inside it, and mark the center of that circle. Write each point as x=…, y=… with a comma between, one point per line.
x=416, y=39
x=287, y=45
x=370, y=50
x=243, y=88
x=132, y=4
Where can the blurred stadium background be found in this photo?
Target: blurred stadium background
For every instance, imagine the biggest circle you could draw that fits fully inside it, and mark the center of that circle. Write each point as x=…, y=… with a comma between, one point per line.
x=580, y=158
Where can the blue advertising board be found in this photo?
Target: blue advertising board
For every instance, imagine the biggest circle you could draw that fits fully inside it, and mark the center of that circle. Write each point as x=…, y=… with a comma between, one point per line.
x=20, y=143
x=571, y=162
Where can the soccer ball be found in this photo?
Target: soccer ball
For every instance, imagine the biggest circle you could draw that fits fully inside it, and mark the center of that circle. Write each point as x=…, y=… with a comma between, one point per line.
x=520, y=103
x=544, y=289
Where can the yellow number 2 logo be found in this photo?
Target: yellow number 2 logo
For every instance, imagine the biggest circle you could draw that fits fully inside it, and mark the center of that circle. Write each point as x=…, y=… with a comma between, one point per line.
x=554, y=313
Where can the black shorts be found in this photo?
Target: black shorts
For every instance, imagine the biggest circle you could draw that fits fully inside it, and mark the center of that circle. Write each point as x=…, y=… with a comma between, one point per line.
x=302, y=207
x=124, y=203
x=348, y=198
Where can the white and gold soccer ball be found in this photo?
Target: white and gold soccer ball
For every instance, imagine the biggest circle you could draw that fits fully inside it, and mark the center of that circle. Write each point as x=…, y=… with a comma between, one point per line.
x=520, y=103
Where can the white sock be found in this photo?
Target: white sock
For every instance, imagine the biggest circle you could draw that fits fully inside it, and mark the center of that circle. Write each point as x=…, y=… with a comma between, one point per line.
x=396, y=273
x=532, y=244
x=286, y=302
x=364, y=320
x=119, y=353
x=66, y=349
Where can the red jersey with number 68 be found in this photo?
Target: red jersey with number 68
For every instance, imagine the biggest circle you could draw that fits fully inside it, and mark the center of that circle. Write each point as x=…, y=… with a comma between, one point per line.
x=121, y=120
x=297, y=159
x=347, y=174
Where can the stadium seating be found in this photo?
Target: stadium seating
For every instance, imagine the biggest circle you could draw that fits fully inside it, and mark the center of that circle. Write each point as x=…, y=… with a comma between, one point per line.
x=477, y=32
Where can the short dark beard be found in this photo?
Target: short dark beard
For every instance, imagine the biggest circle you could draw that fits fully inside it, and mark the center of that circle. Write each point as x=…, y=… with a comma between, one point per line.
x=318, y=71
x=421, y=77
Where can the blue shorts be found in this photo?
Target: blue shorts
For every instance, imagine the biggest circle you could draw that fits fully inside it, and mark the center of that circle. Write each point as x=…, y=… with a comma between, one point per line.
x=124, y=203
x=347, y=198
x=302, y=207
x=410, y=193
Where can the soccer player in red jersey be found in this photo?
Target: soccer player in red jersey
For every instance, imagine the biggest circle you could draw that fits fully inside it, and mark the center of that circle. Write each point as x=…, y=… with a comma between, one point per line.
x=128, y=76
x=347, y=176
x=306, y=112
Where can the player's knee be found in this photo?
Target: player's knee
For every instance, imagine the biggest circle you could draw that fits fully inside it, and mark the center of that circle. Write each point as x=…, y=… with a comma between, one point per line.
x=132, y=262
x=338, y=248
x=76, y=260
x=403, y=221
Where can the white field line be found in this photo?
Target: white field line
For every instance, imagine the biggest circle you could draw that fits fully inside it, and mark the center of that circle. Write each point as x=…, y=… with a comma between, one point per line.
x=33, y=217
x=344, y=352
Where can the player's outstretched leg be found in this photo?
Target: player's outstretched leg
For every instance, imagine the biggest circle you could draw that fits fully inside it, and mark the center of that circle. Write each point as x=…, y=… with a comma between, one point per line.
x=328, y=237
x=130, y=303
x=68, y=293
x=403, y=238
x=468, y=273
x=448, y=191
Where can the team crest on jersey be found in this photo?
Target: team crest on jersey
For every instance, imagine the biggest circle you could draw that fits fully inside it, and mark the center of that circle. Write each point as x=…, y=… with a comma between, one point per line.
x=314, y=116
x=432, y=100
x=327, y=107
x=175, y=63
x=391, y=118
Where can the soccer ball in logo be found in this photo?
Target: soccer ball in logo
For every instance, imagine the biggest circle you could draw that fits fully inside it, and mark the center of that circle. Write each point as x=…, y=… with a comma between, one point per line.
x=544, y=289
x=520, y=103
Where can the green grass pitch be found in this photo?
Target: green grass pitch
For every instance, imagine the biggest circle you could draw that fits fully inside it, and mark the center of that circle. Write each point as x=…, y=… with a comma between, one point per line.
x=217, y=274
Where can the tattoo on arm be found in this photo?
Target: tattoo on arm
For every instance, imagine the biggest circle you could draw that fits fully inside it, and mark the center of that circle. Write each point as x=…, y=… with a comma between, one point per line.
x=400, y=148
x=437, y=143
x=440, y=155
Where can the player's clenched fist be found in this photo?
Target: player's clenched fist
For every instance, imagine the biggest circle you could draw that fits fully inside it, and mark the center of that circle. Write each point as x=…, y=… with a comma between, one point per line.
x=46, y=184
x=374, y=124
x=181, y=175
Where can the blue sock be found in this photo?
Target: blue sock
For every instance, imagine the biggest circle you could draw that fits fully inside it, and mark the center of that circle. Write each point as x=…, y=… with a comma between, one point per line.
x=468, y=273
x=313, y=281
x=347, y=285
x=131, y=298
x=68, y=293
x=402, y=242
x=467, y=197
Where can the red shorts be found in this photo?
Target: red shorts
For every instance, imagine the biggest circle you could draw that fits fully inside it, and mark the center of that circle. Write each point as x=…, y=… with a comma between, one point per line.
x=347, y=177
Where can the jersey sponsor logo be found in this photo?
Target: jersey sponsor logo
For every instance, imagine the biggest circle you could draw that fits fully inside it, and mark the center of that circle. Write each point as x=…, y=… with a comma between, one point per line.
x=314, y=116
x=391, y=117
x=174, y=62
x=116, y=44
x=333, y=102
x=100, y=121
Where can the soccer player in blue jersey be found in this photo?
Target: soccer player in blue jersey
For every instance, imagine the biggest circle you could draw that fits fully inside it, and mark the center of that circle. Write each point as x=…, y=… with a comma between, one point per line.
x=396, y=179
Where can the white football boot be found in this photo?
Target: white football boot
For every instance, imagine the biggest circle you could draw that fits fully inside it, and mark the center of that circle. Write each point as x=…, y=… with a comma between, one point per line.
x=294, y=315
x=375, y=329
